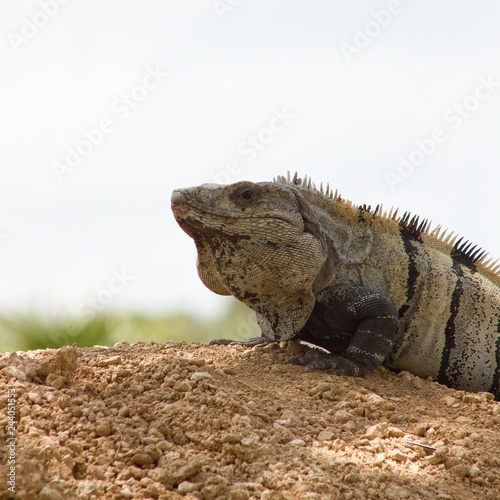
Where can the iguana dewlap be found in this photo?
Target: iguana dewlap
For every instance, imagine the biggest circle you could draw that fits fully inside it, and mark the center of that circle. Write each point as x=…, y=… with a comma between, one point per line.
x=371, y=288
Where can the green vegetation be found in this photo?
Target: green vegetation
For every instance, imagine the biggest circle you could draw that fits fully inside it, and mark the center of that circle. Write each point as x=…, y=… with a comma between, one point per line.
x=28, y=332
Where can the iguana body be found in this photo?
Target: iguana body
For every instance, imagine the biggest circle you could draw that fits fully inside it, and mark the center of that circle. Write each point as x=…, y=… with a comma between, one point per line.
x=370, y=287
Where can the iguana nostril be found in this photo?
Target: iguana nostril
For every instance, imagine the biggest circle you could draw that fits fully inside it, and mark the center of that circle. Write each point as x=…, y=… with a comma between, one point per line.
x=177, y=197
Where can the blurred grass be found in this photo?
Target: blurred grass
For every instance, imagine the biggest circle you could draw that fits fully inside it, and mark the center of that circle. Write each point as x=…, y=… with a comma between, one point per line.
x=28, y=332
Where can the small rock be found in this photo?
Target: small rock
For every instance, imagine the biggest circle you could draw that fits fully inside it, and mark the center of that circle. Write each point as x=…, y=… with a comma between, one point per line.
x=325, y=435
x=102, y=430
x=376, y=400
x=197, y=376
x=34, y=397
x=186, y=472
x=474, y=471
x=377, y=430
x=183, y=386
x=460, y=470
x=418, y=383
x=297, y=442
x=126, y=493
x=56, y=381
x=440, y=455
x=342, y=416
x=398, y=456
x=471, y=398
x=449, y=400
x=351, y=477
x=451, y=462
x=395, y=492
x=238, y=494
x=231, y=438
x=15, y=371
x=421, y=430
x=113, y=360
x=142, y=459
x=395, y=432
x=49, y=493
x=187, y=487
x=197, y=362
x=124, y=411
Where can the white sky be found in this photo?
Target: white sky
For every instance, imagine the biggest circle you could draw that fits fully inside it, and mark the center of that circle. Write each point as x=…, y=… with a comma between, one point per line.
x=61, y=241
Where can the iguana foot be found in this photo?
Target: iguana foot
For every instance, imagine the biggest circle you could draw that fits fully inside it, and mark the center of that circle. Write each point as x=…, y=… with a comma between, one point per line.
x=252, y=342
x=314, y=359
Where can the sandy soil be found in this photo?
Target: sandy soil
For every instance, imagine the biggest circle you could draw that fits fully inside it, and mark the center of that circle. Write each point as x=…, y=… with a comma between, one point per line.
x=191, y=421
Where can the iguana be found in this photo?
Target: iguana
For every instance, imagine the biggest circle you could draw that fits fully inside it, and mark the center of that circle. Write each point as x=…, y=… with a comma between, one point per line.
x=368, y=286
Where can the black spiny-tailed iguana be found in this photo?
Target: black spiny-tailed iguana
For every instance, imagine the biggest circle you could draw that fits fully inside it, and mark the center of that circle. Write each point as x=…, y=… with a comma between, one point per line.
x=372, y=288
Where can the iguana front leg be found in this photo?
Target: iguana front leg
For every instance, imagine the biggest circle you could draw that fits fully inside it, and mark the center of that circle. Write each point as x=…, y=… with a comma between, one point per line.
x=356, y=325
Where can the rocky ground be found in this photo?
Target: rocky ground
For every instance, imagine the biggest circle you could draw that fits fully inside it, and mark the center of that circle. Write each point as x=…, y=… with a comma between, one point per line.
x=191, y=421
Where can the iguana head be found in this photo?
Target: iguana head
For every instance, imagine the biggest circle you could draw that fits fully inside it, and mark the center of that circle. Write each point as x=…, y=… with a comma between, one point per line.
x=260, y=242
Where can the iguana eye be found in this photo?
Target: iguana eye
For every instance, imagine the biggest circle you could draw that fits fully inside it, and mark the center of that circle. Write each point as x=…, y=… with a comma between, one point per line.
x=247, y=194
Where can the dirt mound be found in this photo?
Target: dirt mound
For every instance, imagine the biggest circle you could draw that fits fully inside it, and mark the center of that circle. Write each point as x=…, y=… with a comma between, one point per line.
x=191, y=421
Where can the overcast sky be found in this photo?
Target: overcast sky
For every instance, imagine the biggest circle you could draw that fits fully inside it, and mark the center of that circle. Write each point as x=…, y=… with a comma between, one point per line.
x=107, y=106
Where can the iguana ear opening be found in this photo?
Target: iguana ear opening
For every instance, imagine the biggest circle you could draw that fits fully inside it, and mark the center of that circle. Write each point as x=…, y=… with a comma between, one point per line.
x=344, y=241
x=311, y=222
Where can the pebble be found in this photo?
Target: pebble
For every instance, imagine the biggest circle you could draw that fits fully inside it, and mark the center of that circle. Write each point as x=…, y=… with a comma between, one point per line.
x=238, y=494
x=142, y=459
x=183, y=386
x=231, y=438
x=197, y=362
x=397, y=456
x=376, y=400
x=342, y=416
x=35, y=397
x=56, y=381
x=351, y=477
x=187, y=487
x=395, y=492
x=326, y=435
x=297, y=442
x=197, y=376
x=439, y=456
x=113, y=360
x=471, y=398
x=474, y=471
x=377, y=430
x=102, y=430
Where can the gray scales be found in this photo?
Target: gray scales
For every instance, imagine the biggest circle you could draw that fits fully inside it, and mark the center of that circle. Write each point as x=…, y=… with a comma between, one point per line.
x=369, y=286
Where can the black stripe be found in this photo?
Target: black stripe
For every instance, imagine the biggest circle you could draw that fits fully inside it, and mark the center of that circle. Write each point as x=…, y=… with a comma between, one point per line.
x=448, y=374
x=495, y=386
x=410, y=236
